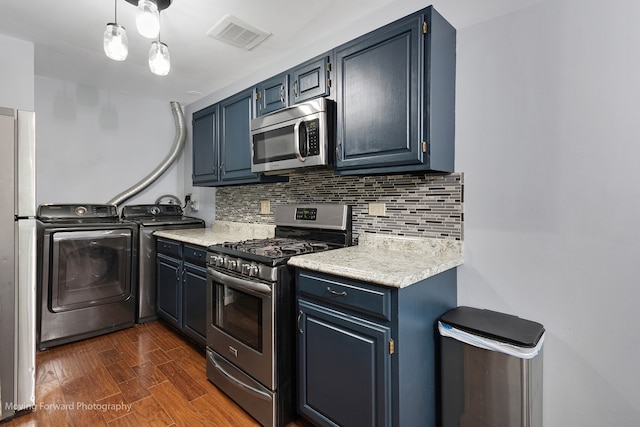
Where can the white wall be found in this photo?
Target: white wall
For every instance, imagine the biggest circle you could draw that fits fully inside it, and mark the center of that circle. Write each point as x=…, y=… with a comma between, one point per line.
x=16, y=74
x=93, y=144
x=547, y=136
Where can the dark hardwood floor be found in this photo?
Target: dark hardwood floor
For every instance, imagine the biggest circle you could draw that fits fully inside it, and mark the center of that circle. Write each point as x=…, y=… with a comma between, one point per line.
x=147, y=375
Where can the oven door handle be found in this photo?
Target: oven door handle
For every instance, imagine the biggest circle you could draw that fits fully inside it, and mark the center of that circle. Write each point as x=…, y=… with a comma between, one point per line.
x=239, y=283
x=237, y=382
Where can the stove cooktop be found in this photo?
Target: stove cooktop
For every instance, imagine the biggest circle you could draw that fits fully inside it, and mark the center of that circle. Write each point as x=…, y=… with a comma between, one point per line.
x=277, y=247
x=300, y=229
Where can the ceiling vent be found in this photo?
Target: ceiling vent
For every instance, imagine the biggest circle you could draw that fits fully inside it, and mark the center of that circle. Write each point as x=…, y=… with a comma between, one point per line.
x=233, y=31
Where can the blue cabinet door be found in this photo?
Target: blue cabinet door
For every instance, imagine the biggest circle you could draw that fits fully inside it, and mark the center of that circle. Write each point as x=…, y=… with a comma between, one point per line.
x=378, y=94
x=344, y=368
x=194, y=302
x=205, y=145
x=272, y=94
x=395, y=94
x=169, y=277
x=311, y=79
x=236, y=113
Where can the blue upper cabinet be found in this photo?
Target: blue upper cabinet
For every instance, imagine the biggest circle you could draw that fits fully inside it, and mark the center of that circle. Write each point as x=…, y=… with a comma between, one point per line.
x=311, y=79
x=205, y=145
x=236, y=113
x=395, y=93
x=272, y=94
x=222, y=144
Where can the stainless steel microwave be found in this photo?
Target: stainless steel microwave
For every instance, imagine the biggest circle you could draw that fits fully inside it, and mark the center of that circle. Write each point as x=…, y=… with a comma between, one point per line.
x=292, y=138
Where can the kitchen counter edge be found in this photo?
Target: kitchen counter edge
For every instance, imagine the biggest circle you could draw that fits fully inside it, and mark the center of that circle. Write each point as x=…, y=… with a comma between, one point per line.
x=393, y=261
x=219, y=232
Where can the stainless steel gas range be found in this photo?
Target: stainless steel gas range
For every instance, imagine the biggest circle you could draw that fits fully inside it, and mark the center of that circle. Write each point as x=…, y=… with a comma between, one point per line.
x=251, y=317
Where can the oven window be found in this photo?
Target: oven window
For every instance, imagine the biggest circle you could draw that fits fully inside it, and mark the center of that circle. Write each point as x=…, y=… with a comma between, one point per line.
x=273, y=145
x=239, y=314
x=90, y=268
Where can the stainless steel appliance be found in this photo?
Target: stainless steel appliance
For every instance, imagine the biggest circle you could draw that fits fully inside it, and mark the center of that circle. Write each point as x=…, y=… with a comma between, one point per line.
x=250, y=299
x=151, y=218
x=87, y=272
x=17, y=262
x=297, y=137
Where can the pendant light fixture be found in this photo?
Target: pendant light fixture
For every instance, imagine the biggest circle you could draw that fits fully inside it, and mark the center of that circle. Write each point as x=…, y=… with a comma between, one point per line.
x=159, y=59
x=148, y=19
x=116, y=43
x=148, y=23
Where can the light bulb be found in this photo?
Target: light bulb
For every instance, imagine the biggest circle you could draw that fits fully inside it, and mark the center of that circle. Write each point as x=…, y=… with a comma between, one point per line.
x=148, y=19
x=116, y=44
x=159, y=60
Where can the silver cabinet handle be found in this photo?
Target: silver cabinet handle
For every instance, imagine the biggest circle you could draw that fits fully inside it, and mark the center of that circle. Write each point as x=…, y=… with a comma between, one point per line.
x=338, y=294
x=299, y=328
x=282, y=93
x=339, y=151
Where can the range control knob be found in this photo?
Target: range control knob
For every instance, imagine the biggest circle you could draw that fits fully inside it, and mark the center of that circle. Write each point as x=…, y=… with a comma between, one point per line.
x=219, y=260
x=232, y=264
x=250, y=270
x=245, y=268
x=253, y=270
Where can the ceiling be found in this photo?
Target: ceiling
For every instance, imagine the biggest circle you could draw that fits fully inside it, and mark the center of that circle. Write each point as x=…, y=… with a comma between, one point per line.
x=67, y=37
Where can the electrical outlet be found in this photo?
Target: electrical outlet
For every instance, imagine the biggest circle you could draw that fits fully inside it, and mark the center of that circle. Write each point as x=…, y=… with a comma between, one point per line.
x=377, y=209
x=191, y=202
x=265, y=207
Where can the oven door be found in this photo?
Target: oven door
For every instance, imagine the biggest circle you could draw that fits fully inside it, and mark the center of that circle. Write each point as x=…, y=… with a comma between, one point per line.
x=240, y=323
x=89, y=268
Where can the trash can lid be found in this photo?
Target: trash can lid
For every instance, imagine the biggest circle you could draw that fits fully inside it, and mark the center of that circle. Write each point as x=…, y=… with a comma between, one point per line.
x=494, y=325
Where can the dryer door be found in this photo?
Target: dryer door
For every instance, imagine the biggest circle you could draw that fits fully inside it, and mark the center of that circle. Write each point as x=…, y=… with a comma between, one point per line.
x=90, y=267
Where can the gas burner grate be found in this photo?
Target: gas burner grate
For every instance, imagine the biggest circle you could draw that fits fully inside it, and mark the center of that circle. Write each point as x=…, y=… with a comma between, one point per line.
x=277, y=247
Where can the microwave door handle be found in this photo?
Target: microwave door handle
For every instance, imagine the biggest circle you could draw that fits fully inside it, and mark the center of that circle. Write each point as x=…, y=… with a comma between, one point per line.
x=296, y=131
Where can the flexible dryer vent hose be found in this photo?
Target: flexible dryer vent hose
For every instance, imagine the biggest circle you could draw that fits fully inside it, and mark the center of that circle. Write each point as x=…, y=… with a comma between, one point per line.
x=176, y=149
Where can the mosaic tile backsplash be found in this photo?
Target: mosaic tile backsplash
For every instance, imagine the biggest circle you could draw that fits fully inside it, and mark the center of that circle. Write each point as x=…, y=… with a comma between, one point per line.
x=416, y=205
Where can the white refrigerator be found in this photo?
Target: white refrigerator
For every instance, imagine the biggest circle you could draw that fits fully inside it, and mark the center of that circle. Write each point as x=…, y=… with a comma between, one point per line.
x=17, y=262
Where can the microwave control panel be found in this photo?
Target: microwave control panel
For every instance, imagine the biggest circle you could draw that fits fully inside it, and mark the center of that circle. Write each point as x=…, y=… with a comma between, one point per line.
x=312, y=138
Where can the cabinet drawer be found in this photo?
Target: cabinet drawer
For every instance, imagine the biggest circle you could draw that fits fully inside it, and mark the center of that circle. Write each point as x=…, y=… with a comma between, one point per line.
x=372, y=300
x=195, y=255
x=169, y=247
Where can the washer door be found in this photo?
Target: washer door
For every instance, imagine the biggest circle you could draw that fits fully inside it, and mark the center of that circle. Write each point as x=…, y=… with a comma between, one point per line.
x=90, y=268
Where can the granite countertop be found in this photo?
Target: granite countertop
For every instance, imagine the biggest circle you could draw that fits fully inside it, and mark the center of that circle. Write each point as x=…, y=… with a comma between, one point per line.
x=219, y=232
x=393, y=261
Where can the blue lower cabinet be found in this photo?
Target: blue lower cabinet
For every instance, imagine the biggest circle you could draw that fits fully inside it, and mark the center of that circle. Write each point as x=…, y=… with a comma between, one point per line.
x=169, y=289
x=366, y=353
x=345, y=368
x=182, y=287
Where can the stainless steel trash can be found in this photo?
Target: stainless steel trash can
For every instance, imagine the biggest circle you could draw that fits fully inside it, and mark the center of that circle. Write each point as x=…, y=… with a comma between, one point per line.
x=490, y=369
